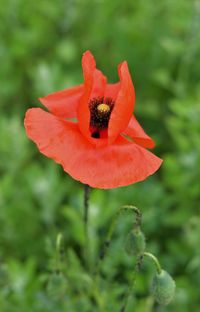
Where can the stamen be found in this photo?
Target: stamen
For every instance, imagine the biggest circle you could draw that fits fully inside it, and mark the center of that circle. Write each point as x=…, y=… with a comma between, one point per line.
x=103, y=108
x=100, y=110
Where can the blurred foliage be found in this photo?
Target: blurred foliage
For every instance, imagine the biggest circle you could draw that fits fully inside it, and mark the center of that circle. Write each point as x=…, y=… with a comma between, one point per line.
x=40, y=51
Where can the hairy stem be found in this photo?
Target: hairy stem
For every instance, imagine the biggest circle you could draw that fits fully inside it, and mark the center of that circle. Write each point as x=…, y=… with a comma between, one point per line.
x=86, y=218
x=86, y=209
x=155, y=261
x=136, y=270
x=136, y=223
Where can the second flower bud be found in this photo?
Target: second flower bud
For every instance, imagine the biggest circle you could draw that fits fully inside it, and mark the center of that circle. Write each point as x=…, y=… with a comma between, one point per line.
x=135, y=242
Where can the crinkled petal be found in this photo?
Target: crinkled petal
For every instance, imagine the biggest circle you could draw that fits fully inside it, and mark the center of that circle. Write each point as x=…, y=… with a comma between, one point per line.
x=124, y=104
x=135, y=131
x=63, y=103
x=116, y=165
x=94, y=86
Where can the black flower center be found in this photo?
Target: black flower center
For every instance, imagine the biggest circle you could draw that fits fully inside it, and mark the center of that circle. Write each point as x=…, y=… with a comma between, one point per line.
x=100, y=110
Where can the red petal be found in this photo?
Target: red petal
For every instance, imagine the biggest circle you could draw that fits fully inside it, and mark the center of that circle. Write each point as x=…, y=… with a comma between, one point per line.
x=94, y=86
x=99, y=84
x=116, y=165
x=63, y=103
x=124, y=104
x=135, y=131
x=112, y=90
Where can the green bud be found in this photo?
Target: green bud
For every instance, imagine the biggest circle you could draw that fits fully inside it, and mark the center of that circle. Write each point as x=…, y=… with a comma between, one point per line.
x=163, y=288
x=135, y=242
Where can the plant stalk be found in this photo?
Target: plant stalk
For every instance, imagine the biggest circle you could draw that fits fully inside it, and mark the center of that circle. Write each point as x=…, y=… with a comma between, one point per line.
x=85, y=220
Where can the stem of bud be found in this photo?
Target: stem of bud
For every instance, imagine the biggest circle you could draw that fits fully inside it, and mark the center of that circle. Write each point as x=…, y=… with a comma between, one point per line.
x=155, y=261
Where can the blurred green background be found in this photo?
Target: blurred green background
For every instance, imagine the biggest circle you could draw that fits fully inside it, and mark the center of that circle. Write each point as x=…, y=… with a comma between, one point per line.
x=41, y=44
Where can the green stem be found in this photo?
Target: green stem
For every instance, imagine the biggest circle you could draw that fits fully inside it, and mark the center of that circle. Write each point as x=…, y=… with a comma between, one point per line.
x=85, y=219
x=126, y=208
x=155, y=261
x=130, y=291
x=86, y=209
x=136, y=222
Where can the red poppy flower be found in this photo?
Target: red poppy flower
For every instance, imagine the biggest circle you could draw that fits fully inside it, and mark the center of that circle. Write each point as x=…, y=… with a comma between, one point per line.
x=91, y=132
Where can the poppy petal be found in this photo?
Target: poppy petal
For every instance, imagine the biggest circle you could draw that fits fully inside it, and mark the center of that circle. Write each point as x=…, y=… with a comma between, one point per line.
x=112, y=90
x=124, y=104
x=116, y=165
x=83, y=114
x=63, y=103
x=99, y=84
x=94, y=86
x=135, y=131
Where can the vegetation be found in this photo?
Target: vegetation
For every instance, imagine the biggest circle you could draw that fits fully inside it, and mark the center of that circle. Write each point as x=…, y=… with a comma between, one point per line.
x=41, y=47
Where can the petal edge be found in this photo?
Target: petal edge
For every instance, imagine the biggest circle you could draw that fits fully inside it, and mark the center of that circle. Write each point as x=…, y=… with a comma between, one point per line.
x=136, y=132
x=124, y=104
x=117, y=165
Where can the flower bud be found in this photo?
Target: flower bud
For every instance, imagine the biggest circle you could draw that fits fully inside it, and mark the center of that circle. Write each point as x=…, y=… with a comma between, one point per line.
x=163, y=288
x=135, y=242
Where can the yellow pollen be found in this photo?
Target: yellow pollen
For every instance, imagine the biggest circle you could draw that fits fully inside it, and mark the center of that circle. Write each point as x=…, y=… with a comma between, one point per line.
x=103, y=108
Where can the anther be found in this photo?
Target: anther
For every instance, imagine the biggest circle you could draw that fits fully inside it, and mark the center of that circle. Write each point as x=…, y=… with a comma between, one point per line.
x=103, y=108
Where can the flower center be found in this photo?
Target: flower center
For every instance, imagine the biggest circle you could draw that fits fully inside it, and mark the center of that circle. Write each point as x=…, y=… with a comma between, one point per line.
x=100, y=110
x=103, y=108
